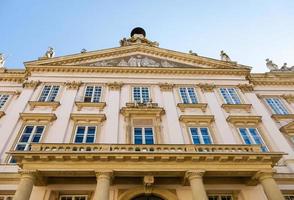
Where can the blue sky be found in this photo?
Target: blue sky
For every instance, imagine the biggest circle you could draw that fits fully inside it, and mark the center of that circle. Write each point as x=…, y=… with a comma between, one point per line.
x=249, y=31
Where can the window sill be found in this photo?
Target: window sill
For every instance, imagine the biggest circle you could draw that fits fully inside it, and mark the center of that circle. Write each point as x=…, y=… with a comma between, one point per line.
x=80, y=105
x=2, y=113
x=184, y=106
x=279, y=117
x=54, y=104
x=229, y=107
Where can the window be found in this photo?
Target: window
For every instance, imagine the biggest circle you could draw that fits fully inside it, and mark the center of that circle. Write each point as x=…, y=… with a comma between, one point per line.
x=30, y=134
x=188, y=95
x=92, y=94
x=230, y=96
x=277, y=106
x=251, y=136
x=73, y=197
x=6, y=197
x=200, y=135
x=289, y=197
x=85, y=134
x=49, y=93
x=141, y=94
x=143, y=136
x=220, y=197
x=3, y=99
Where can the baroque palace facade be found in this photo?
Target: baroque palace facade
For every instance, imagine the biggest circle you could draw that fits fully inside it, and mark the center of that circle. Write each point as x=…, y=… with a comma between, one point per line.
x=141, y=122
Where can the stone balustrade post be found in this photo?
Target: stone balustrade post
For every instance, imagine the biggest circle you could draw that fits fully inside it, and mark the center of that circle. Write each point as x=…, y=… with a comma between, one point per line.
x=196, y=183
x=269, y=185
x=25, y=186
x=103, y=185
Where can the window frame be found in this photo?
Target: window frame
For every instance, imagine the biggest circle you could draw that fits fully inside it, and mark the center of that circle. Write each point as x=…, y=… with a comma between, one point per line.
x=73, y=196
x=200, y=135
x=188, y=95
x=143, y=134
x=93, y=92
x=230, y=96
x=3, y=106
x=219, y=196
x=85, y=135
x=141, y=96
x=283, y=105
x=49, y=93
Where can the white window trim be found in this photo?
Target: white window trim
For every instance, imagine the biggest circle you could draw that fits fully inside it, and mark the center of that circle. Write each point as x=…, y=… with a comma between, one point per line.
x=92, y=97
x=86, y=131
x=188, y=96
x=73, y=196
x=6, y=102
x=143, y=134
x=51, y=86
x=223, y=98
x=141, y=96
x=201, y=136
x=282, y=103
x=251, y=138
x=31, y=135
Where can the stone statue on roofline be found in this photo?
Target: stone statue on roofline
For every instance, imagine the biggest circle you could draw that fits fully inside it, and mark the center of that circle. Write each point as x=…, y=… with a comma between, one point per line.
x=270, y=65
x=224, y=56
x=193, y=53
x=50, y=53
x=2, y=60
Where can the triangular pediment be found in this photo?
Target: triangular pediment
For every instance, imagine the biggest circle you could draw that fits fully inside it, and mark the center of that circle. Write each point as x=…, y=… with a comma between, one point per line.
x=137, y=56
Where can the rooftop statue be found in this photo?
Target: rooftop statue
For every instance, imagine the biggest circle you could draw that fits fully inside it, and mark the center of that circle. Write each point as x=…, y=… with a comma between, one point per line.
x=2, y=60
x=224, y=56
x=193, y=53
x=270, y=65
x=50, y=53
x=83, y=50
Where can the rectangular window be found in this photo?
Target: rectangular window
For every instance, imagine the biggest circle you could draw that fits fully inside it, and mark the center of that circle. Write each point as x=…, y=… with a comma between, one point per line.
x=188, y=95
x=6, y=197
x=85, y=134
x=220, y=197
x=277, y=106
x=73, y=197
x=289, y=197
x=230, y=96
x=30, y=134
x=92, y=94
x=200, y=135
x=252, y=136
x=49, y=93
x=143, y=136
x=3, y=99
x=141, y=94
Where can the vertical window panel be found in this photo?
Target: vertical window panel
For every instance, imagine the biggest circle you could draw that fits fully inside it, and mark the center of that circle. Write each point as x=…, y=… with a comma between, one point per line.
x=93, y=94
x=276, y=106
x=3, y=100
x=200, y=135
x=49, y=93
x=85, y=134
x=143, y=136
x=188, y=95
x=252, y=136
x=141, y=94
x=230, y=95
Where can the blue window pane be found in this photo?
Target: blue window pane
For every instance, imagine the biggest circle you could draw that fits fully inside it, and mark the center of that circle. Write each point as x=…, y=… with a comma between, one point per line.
x=149, y=136
x=245, y=135
x=28, y=129
x=24, y=138
x=195, y=135
x=36, y=138
x=90, y=139
x=138, y=136
x=205, y=136
x=81, y=130
x=79, y=139
x=91, y=130
x=192, y=95
x=20, y=147
x=39, y=129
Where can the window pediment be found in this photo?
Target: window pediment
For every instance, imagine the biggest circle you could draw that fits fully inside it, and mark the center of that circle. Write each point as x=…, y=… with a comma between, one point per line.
x=142, y=109
x=53, y=104
x=288, y=128
x=197, y=119
x=88, y=117
x=244, y=120
x=38, y=117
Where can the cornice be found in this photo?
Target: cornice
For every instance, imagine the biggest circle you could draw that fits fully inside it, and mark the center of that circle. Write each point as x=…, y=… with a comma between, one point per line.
x=272, y=78
x=288, y=128
x=17, y=76
x=142, y=111
x=244, y=120
x=197, y=119
x=229, y=107
x=279, y=117
x=184, y=106
x=81, y=105
x=38, y=117
x=77, y=117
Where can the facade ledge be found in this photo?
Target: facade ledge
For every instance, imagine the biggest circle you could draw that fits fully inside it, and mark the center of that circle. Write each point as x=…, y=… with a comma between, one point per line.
x=80, y=105
x=142, y=109
x=279, y=117
x=54, y=104
x=244, y=119
x=38, y=117
x=184, y=106
x=88, y=117
x=289, y=98
x=229, y=107
x=288, y=128
x=2, y=113
x=197, y=119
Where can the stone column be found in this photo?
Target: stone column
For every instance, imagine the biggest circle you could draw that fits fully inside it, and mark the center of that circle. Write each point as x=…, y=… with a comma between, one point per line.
x=25, y=186
x=270, y=186
x=103, y=184
x=196, y=183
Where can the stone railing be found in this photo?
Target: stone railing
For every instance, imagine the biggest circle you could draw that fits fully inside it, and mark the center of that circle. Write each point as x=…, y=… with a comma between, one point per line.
x=133, y=148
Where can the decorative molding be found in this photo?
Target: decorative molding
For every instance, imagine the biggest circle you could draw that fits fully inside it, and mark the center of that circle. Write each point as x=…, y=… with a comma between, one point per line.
x=289, y=98
x=197, y=119
x=88, y=117
x=142, y=105
x=104, y=174
x=229, y=107
x=205, y=87
x=192, y=174
x=73, y=85
x=288, y=128
x=166, y=86
x=142, y=111
x=272, y=78
x=280, y=117
x=38, y=117
x=80, y=105
x=17, y=76
x=244, y=120
x=246, y=87
x=31, y=84
x=114, y=85
x=183, y=106
x=53, y=104
x=2, y=113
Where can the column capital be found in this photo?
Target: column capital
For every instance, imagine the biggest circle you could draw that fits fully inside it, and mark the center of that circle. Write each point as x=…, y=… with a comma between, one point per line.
x=115, y=85
x=31, y=84
x=26, y=173
x=192, y=174
x=205, y=87
x=246, y=87
x=166, y=86
x=104, y=174
x=261, y=175
x=73, y=85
